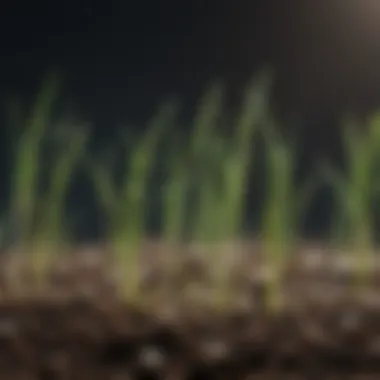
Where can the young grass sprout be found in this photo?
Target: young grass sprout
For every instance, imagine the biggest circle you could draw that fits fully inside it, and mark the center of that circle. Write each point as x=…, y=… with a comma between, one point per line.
x=36, y=232
x=26, y=156
x=226, y=166
x=52, y=232
x=125, y=207
x=206, y=181
x=284, y=206
x=357, y=191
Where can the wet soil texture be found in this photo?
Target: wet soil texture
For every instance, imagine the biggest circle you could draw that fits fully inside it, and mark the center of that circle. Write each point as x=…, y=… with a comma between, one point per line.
x=78, y=325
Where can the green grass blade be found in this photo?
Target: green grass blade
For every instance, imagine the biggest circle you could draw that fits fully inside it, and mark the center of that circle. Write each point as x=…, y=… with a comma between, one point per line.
x=26, y=167
x=174, y=203
x=53, y=227
x=255, y=109
x=239, y=159
x=278, y=225
x=208, y=224
x=130, y=215
x=206, y=122
x=361, y=152
x=141, y=164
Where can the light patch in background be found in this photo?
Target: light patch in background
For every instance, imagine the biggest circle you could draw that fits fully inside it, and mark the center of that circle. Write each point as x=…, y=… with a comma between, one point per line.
x=330, y=51
x=358, y=22
x=360, y=18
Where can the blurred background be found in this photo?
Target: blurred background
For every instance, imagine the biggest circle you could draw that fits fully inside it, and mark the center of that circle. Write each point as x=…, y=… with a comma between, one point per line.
x=120, y=59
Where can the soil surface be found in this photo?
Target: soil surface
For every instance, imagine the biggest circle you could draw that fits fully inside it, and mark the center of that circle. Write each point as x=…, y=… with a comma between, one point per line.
x=198, y=313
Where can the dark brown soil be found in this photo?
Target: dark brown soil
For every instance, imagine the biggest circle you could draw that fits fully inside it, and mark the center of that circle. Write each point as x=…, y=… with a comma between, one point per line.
x=76, y=326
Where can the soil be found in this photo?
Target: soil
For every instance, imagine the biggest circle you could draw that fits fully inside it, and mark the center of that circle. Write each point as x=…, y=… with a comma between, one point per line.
x=76, y=325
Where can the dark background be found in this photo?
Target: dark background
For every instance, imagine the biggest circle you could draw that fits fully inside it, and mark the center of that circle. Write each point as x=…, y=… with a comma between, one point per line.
x=121, y=58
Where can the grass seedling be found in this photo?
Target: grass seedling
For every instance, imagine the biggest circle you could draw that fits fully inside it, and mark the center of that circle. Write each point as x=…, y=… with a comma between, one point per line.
x=356, y=191
x=223, y=191
x=206, y=183
x=277, y=228
x=26, y=157
x=284, y=206
x=202, y=159
x=125, y=207
x=26, y=177
x=206, y=226
x=52, y=233
x=239, y=155
x=40, y=219
x=174, y=198
x=226, y=167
